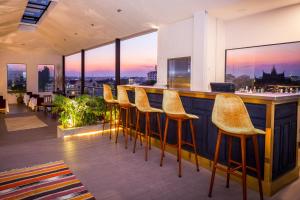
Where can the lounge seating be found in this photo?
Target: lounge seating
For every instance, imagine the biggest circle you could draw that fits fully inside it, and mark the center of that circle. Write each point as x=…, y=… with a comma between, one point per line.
x=2, y=104
x=27, y=97
x=35, y=102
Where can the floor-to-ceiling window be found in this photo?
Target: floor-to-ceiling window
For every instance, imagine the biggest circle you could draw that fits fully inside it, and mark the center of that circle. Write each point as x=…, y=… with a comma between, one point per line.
x=99, y=68
x=139, y=60
x=73, y=74
x=46, y=78
x=16, y=77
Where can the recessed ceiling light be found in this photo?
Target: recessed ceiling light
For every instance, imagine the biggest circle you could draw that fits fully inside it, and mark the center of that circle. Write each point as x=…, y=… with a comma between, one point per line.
x=119, y=10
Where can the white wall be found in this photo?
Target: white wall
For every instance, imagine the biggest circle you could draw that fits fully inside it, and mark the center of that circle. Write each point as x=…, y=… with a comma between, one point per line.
x=277, y=26
x=174, y=40
x=30, y=57
x=200, y=37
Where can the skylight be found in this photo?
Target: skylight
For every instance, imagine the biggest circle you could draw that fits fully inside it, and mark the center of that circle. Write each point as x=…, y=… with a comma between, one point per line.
x=34, y=11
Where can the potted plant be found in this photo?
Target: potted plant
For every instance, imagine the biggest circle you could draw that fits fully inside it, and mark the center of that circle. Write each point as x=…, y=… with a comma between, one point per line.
x=78, y=115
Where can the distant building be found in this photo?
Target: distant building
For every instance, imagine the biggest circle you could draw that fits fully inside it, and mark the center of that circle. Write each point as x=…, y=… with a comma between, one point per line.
x=273, y=78
x=152, y=75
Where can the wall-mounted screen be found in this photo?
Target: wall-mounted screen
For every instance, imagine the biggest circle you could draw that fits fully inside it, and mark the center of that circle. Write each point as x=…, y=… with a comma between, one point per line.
x=262, y=66
x=16, y=77
x=46, y=78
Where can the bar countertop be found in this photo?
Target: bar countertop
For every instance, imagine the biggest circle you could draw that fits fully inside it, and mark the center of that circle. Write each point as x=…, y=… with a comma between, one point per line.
x=267, y=96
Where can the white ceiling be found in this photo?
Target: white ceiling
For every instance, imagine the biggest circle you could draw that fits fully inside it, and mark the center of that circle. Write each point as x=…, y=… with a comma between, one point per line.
x=67, y=26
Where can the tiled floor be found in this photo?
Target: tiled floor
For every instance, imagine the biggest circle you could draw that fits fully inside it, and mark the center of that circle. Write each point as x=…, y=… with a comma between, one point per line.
x=111, y=172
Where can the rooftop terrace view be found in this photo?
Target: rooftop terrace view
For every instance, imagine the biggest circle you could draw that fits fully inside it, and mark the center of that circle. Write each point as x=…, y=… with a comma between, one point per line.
x=173, y=99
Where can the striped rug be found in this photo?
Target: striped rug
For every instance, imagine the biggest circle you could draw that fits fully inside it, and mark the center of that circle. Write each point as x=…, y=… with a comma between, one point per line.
x=48, y=181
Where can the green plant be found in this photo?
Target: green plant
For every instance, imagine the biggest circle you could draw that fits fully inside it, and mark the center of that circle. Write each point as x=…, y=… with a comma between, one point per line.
x=81, y=111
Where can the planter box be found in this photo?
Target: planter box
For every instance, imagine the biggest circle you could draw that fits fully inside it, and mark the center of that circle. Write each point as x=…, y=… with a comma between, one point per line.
x=61, y=131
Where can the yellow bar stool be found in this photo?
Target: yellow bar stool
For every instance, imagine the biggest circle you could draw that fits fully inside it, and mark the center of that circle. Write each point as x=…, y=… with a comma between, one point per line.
x=124, y=105
x=111, y=104
x=174, y=110
x=232, y=119
x=143, y=107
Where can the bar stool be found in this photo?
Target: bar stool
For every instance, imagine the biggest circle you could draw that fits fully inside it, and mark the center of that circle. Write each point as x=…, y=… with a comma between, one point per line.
x=124, y=105
x=110, y=103
x=143, y=107
x=174, y=110
x=232, y=119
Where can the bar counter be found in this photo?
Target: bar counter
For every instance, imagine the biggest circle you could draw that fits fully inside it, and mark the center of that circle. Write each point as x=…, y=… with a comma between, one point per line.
x=277, y=114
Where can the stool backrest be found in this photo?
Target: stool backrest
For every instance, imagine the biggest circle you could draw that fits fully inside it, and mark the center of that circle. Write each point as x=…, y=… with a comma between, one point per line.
x=122, y=95
x=47, y=98
x=141, y=99
x=230, y=114
x=107, y=93
x=172, y=102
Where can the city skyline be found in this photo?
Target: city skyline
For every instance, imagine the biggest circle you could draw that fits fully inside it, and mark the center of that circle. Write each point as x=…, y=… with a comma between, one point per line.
x=138, y=56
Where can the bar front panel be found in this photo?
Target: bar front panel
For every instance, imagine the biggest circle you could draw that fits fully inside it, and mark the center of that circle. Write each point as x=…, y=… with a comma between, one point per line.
x=206, y=131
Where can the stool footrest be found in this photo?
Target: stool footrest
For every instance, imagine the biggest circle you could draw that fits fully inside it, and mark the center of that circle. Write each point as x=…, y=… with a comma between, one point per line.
x=231, y=172
x=240, y=165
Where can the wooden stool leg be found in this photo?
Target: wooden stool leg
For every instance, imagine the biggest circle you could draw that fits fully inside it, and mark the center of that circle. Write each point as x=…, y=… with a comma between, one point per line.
x=255, y=144
x=194, y=143
x=104, y=116
x=164, y=143
x=136, y=128
x=146, y=135
x=119, y=119
x=244, y=165
x=115, y=110
x=126, y=127
x=149, y=131
x=179, y=132
x=110, y=120
x=129, y=123
x=217, y=152
x=159, y=129
x=229, y=160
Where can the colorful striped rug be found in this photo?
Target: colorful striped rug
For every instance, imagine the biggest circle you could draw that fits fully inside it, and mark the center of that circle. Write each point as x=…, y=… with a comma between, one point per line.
x=48, y=181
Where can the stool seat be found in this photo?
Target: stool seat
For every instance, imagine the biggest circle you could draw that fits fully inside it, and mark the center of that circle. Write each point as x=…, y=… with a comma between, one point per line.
x=111, y=104
x=182, y=115
x=174, y=110
x=151, y=110
x=231, y=117
x=124, y=105
x=112, y=101
x=143, y=107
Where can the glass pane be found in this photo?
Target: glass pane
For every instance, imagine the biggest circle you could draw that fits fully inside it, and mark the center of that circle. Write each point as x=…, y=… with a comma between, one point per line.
x=46, y=78
x=139, y=60
x=16, y=77
x=33, y=12
x=42, y=2
x=99, y=68
x=73, y=74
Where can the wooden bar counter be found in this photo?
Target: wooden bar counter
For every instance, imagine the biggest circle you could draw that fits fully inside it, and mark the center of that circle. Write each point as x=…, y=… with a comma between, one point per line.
x=277, y=114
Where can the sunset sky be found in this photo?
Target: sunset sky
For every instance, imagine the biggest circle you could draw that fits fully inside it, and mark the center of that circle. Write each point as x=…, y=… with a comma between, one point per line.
x=16, y=67
x=253, y=61
x=138, y=56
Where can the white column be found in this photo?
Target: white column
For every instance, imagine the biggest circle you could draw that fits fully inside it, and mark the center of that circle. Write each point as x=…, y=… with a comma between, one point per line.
x=198, y=55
